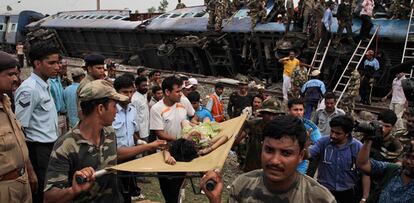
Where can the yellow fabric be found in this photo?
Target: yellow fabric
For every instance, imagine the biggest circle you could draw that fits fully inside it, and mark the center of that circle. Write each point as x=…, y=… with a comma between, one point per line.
x=213, y=160
x=289, y=66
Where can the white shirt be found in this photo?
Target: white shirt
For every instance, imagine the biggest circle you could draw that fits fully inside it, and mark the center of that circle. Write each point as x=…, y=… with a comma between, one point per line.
x=398, y=95
x=187, y=104
x=139, y=101
x=167, y=118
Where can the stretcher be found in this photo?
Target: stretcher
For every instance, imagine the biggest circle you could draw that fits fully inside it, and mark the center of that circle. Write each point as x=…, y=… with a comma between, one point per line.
x=211, y=161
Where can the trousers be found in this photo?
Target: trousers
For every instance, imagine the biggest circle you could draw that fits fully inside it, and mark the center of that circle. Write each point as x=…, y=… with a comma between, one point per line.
x=286, y=86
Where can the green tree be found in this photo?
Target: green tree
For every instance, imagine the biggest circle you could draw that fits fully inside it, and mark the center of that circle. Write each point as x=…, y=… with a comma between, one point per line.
x=152, y=9
x=163, y=6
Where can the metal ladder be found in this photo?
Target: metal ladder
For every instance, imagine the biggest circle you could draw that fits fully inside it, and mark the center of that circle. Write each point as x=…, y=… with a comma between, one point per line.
x=319, y=56
x=408, y=52
x=353, y=64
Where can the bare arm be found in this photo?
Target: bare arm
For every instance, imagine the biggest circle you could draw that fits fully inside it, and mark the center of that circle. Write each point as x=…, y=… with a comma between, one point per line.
x=282, y=60
x=162, y=135
x=363, y=162
x=125, y=153
x=366, y=184
x=217, y=142
x=68, y=194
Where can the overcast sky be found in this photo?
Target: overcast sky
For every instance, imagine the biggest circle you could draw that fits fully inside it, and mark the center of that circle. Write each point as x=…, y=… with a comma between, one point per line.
x=54, y=6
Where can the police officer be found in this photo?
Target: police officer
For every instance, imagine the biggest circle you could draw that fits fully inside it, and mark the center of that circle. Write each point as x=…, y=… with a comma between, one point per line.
x=16, y=170
x=95, y=66
x=35, y=109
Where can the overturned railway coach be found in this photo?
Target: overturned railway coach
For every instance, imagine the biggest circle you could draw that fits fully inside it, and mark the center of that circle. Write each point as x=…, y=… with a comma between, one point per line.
x=179, y=40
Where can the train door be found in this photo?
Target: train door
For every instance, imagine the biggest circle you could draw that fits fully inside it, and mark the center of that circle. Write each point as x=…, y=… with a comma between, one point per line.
x=3, y=28
x=11, y=29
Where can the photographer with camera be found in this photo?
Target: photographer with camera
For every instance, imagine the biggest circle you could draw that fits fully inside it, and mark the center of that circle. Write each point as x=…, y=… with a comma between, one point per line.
x=396, y=183
x=386, y=145
x=279, y=181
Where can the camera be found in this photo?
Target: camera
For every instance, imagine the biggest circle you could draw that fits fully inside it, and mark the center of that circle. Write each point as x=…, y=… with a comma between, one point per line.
x=371, y=130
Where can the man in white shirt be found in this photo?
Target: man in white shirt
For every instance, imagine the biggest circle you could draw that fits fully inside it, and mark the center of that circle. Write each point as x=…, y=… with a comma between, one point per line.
x=139, y=101
x=398, y=100
x=324, y=115
x=165, y=120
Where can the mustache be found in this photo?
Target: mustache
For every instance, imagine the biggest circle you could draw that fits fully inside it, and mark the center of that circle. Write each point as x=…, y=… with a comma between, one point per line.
x=275, y=167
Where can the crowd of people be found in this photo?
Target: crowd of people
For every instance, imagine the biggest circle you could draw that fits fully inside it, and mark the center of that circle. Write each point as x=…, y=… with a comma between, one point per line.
x=295, y=149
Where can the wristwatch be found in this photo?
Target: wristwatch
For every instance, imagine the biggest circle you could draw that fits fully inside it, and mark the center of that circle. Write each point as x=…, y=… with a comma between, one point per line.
x=364, y=200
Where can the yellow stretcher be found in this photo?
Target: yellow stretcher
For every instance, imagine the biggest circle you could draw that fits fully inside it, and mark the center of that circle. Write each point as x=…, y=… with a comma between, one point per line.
x=211, y=161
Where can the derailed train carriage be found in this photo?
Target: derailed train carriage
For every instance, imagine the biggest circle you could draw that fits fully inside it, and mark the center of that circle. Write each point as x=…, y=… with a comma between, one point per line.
x=179, y=40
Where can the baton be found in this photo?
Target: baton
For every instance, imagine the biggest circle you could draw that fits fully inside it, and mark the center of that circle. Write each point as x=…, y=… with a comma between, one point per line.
x=82, y=180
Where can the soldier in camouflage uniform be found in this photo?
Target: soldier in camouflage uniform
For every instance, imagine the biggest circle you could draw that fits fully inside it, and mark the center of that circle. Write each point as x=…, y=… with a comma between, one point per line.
x=86, y=148
x=180, y=5
x=217, y=10
x=318, y=12
x=257, y=12
x=347, y=103
x=344, y=16
x=299, y=78
x=271, y=108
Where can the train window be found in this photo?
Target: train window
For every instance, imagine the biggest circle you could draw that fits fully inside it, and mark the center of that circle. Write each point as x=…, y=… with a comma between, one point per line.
x=92, y=17
x=100, y=17
x=13, y=27
x=200, y=14
x=73, y=17
x=86, y=17
x=117, y=18
x=175, y=15
x=187, y=15
x=2, y=27
x=79, y=17
x=164, y=15
x=108, y=17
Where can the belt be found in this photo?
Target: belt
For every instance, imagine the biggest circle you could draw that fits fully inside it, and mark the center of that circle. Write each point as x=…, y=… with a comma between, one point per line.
x=13, y=174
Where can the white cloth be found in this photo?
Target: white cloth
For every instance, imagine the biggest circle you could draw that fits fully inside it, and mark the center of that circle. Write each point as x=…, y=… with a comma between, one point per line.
x=188, y=107
x=398, y=96
x=367, y=7
x=167, y=118
x=286, y=86
x=139, y=101
x=399, y=111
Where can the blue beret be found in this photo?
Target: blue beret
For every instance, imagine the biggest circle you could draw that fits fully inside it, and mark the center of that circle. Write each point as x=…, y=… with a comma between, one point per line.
x=7, y=61
x=94, y=59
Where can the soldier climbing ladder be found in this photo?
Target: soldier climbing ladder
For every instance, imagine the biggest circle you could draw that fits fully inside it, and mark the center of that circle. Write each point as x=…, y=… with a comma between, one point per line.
x=353, y=64
x=408, y=52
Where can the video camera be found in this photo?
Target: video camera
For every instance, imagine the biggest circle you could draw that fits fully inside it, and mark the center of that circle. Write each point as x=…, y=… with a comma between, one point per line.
x=371, y=130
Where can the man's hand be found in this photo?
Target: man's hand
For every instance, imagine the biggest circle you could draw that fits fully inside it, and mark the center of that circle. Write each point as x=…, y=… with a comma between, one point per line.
x=32, y=180
x=158, y=144
x=215, y=195
x=89, y=174
x=308, y=139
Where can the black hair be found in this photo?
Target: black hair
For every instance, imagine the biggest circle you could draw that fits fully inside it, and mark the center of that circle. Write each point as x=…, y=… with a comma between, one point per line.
x=139, y=80
x=89, y=106
x=123, y=81
x=140, y=70
x=152, y=73
x=346, y=123
x=41, y=51
x=169, y=82
x=286, y=126
x=295, y=101
x=330, y=95
x=388, y=116
x=130, y=76
x=155, y=89
x=183, y=150
x=194, y=96
x=219, y=85
x=260, y=96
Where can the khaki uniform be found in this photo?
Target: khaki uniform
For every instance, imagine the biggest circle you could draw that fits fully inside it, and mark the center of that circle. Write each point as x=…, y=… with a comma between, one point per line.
x=13, y=156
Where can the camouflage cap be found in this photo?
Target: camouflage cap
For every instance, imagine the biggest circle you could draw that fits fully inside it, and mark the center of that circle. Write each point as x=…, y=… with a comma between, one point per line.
x=99, y=89
x=271, y=106
x=77, y=72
